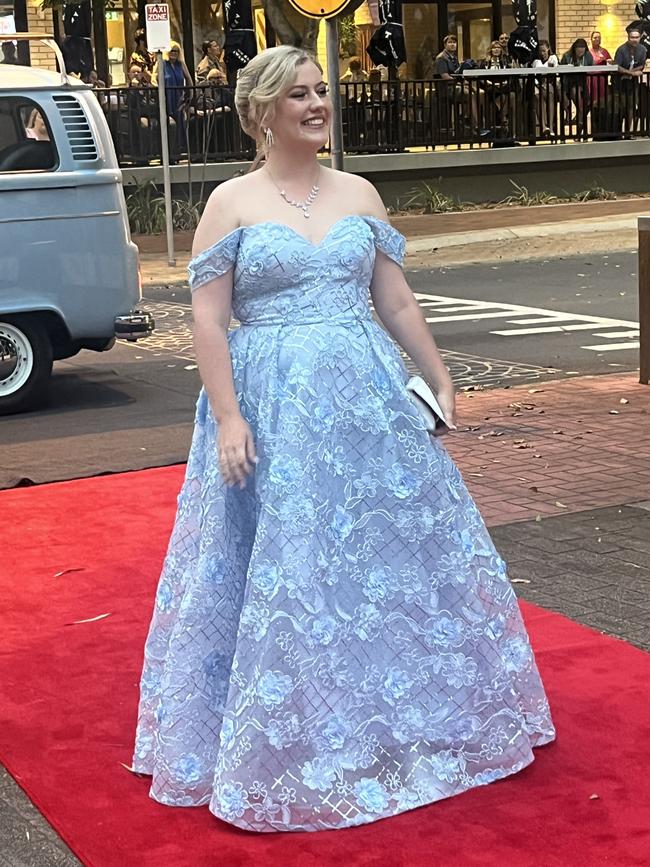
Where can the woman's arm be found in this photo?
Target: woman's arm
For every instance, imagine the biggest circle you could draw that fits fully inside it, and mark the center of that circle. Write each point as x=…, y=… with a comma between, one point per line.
x=401, y=315
x=186, y=73
x=211, y=309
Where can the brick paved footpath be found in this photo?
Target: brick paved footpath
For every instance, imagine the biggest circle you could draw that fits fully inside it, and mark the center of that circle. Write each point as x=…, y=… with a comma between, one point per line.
x=554, y=448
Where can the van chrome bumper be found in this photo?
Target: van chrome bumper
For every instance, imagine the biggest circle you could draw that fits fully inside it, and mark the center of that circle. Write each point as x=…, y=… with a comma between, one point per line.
x=134, y=325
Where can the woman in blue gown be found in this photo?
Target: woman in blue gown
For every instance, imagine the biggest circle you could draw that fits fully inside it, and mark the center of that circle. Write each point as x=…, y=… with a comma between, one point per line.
x=334, y=639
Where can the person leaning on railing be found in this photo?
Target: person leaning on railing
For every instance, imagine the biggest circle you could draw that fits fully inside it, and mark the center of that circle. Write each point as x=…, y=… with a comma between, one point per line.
x=545, y=89
x=574, y=87
x=630, y=59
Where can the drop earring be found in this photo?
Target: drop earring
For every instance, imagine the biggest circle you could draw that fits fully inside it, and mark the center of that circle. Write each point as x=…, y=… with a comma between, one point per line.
x=268, y=138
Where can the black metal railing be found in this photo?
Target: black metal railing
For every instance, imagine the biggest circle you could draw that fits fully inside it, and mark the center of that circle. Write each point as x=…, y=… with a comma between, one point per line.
x=482, y=108
x=201, y=123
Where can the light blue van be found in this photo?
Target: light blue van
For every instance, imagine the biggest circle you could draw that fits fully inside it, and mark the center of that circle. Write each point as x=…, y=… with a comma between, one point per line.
x=68, y=269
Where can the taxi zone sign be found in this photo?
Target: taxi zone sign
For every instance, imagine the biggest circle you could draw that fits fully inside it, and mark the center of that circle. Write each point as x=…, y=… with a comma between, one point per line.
x=158, y=26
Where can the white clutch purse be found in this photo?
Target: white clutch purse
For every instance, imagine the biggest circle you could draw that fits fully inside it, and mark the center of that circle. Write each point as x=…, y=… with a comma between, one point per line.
x=426, y=402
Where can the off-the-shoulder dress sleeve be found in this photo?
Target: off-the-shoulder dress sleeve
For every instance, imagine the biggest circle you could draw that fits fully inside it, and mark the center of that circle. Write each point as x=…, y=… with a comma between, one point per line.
x=216, y=261
x=387, y=239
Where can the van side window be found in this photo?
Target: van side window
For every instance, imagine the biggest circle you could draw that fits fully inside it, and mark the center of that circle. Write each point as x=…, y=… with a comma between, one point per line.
x=25, y=140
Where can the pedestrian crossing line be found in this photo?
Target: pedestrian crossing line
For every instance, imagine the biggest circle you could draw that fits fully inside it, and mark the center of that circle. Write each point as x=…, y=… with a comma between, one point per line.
x=499, y=314
x=629, y=334
x=608, y=347
x=513, y=332
x=544, y=320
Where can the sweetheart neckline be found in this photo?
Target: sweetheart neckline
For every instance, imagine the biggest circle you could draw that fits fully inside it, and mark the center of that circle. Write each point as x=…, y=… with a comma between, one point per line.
x=314, y=245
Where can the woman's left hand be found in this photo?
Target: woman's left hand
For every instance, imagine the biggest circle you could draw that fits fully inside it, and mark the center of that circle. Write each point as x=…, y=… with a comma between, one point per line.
x=447, y=400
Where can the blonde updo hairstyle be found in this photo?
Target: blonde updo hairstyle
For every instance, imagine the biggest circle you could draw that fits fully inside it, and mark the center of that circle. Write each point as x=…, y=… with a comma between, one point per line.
x=262, y=82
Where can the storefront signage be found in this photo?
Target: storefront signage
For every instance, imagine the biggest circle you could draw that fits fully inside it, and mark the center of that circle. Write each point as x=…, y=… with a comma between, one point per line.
x=320, y=8
x=158, y=26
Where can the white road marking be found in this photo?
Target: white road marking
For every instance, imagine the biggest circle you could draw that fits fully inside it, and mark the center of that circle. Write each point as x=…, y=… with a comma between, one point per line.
x=542, y=321
x=631, y=334
x=607, y=347
x=511, y=332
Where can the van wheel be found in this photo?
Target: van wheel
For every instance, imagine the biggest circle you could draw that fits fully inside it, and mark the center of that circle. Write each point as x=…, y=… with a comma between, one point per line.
x=25, y=363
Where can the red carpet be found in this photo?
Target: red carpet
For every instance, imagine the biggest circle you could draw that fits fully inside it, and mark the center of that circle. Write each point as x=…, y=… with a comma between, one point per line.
x=77, y=550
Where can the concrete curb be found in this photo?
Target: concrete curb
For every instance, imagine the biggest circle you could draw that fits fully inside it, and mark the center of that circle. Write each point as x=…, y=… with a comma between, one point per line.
x=542, y=230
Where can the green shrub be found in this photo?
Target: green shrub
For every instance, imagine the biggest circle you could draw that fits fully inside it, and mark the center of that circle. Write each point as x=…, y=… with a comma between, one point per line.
x=146, y=209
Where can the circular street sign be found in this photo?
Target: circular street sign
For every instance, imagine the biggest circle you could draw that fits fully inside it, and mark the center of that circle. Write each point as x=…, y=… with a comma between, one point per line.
x=320, y=8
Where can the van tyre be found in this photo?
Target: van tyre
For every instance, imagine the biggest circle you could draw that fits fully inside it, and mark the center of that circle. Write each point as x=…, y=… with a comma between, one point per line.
x=25, y=363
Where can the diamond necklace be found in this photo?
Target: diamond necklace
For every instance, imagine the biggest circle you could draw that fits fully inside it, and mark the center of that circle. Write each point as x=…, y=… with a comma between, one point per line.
x=304, y=206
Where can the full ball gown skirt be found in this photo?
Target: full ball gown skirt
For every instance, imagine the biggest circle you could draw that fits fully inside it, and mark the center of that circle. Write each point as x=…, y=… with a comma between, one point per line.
x=338, y=641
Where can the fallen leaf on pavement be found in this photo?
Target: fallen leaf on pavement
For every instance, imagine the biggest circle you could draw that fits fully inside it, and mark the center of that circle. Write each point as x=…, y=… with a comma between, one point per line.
x=560, y=505
x=624, y=400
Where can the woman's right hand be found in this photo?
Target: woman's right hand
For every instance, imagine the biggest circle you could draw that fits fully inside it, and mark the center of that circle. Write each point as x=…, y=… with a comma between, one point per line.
x=235, y=449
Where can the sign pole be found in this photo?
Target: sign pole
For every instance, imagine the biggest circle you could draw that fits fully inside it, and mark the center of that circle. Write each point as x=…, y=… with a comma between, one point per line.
x=159, y=40
x=167, y=181
x=332, y=48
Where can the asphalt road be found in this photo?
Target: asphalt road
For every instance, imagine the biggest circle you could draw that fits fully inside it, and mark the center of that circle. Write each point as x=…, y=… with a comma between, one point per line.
x=495, y=324
x=583, y=312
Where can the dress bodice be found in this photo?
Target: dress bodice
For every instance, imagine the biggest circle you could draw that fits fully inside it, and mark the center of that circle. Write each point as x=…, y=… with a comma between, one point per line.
x=280, y=277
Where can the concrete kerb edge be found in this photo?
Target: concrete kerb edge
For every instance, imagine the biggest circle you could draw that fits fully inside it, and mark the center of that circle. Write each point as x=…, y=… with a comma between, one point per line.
x=543, y=230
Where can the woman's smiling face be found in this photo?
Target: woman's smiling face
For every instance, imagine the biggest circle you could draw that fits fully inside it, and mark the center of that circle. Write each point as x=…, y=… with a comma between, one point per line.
x=303, y=113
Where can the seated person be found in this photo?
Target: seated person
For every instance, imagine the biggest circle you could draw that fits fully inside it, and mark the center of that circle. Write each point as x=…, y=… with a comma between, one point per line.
x=214, y=95
x=355, y=74
x=35, y=127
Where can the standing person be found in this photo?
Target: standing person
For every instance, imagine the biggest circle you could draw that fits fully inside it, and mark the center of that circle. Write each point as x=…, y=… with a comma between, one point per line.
x=545, y=89
x=176, y=76
x=630, y=59
x=574, y=87
x=334, y=639
x=212, y=58
x=504, y=38
x=601, y=57
x=141, y=56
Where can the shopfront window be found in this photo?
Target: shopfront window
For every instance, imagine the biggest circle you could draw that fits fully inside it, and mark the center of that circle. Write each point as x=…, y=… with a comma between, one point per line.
x=422, y=39
x=472, y=23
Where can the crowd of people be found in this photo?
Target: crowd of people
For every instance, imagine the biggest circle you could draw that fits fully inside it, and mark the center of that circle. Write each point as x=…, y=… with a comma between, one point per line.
x=485, y=106
x=577, y=95
x=488, y=104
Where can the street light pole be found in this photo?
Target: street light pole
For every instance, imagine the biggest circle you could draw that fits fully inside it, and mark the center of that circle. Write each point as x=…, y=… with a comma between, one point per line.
x=336, y=138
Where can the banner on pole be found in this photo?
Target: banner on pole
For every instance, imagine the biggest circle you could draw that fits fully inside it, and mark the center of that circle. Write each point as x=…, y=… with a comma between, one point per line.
x=320, y=8
x=156, y=18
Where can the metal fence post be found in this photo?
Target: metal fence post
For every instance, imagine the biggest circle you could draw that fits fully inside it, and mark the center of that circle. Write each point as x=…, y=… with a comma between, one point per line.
x=644, y=300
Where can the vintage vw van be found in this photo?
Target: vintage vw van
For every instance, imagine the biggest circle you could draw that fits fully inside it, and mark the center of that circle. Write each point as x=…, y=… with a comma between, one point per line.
x=68, y=269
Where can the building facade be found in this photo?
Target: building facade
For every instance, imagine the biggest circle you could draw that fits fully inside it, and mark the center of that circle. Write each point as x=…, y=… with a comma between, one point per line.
x=476, y=23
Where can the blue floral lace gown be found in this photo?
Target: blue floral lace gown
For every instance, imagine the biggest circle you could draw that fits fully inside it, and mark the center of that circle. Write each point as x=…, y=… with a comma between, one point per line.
x=338, y=641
